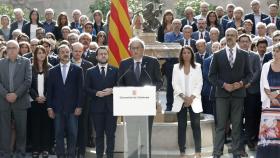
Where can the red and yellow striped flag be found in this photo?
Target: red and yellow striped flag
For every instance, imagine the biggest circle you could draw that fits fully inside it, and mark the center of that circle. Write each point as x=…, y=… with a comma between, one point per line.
x=119, y=32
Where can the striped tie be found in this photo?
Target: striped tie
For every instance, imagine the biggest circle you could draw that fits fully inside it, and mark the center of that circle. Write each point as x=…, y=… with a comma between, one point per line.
x=230, y=58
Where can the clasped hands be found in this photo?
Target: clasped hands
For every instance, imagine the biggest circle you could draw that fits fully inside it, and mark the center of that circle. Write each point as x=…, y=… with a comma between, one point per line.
x=104, y=92
x=232, y=87
x=11, y=97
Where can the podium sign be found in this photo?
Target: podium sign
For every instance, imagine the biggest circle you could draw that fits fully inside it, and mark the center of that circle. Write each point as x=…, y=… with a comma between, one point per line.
x=134, y=101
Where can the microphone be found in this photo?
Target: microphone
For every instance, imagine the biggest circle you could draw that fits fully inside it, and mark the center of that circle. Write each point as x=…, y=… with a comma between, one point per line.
x=118, y=83
x=144, y=69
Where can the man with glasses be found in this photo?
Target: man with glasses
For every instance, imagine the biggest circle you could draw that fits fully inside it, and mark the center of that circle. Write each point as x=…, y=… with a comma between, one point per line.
x=15, y=81
x=139, y=70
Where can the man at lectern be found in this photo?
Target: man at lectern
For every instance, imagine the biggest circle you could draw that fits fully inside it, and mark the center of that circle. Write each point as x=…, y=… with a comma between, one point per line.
x=139, y=70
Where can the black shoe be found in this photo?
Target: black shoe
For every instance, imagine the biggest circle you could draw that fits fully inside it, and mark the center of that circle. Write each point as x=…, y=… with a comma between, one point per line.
x=45, y=154
x=168, y=109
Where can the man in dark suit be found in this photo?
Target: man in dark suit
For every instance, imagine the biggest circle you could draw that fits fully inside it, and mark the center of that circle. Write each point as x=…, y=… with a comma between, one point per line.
x=256, y=16
x=64, y=99
x=20, y=21
x=85, y=39
x=252, y=102
x=15, y=81
x=229, y=16
x=75, y=24
x=189, y=19
x=202, y=33
x=273, y=18
x=187, y=40
x=139, y=70
x=229, y=72
x=49, y=23
x=77, y=51
x=100, y=81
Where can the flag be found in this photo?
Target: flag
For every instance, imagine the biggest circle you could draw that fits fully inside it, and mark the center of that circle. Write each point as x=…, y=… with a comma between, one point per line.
x=119, y=32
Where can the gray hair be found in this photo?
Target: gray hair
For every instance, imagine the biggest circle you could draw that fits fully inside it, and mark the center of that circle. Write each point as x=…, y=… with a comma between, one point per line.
x=18, y=10
x=136, y=40
x=200, y=41
x=77, y=44
x=13, y=42
x=49, y=10
x=85, y=34
x=276, y=46
x=187, y=27
x=214, y=29
x=63, y=46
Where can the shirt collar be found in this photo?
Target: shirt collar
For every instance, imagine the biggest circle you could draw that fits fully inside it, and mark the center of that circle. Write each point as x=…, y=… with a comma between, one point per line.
x=135, y=61
x=100, y=66
x=67, y=65
x=77, y=62
x=233, y=49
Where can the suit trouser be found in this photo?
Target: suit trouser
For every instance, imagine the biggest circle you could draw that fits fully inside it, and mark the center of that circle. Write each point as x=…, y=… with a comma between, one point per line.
x=230, y=108
x=20, y=117
x=83, y=130
x=136, y=125
x=182, y=126
x=105, y=123
x=252, y=114
x=68, y=122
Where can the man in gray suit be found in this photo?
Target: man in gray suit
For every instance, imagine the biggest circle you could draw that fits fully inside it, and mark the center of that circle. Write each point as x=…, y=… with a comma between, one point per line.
x=252, y=102
x=229, y=73
x=15, y=81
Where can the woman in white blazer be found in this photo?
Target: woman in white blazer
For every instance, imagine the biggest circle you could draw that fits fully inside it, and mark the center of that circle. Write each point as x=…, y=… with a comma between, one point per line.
x=187, y=84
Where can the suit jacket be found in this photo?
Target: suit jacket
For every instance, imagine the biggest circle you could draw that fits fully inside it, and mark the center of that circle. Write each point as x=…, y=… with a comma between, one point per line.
x=256, y=68
x=221, y=72
x=198, y=58
x=95, y=82
x=268, y=21
x=85, y=65
x=90, y=56
x=192, y=44
x=251, y=17
x=267, y=57
x=184, y=22
x=195, y=36
x=28, y=55
x=194, y=87
x=34, y=85
x=65, y=97
x=22, y=83
x=14, y=26
x=207, y=86
x=26, y=28
x=231, y=24
x=73, y=25
x=150, y=73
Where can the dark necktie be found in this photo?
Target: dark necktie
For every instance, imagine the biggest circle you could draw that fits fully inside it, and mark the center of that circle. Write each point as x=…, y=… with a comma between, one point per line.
x=202, y=56
x=273, y=20
x=137, y=70
x=201, y=35
x=103, y=72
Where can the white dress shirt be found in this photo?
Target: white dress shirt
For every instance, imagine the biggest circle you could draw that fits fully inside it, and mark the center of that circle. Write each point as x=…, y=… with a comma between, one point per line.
x=233, y=51
x=135, y=63
x=40, y=84
x=33, y=31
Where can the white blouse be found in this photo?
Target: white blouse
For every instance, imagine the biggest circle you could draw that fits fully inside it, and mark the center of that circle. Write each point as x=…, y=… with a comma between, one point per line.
x=33, y=31
x=40, y=83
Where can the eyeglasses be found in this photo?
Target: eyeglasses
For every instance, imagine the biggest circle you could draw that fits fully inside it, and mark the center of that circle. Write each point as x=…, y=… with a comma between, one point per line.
x=12, y=48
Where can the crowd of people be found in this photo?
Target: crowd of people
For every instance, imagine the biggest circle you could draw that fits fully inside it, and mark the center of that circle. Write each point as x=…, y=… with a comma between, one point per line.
x=56, y=82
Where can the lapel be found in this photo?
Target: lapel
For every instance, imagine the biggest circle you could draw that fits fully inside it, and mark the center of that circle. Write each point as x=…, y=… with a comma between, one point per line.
x=69, y=73
x=18, y=65
x=236, y=58
x=131, y=62
x=224, y=54
x=143, y=66
x=99, y=74
x=6, y=70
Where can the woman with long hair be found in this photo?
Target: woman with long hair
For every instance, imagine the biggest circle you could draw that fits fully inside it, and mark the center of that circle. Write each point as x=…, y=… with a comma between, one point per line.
x=41, y=125
x=165, y=26
x=24, y=48
x=34, y=22
x=62, y=20
x=213, y=21
x=101, y=38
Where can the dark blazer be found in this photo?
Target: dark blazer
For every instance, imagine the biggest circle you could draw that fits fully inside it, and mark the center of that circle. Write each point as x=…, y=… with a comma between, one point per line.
x=34, y=85
x=199, y=60
x=14, y=26
x=95, y=27
x=160, y=33
x=221, y=72
x=85, y=65
x=251, y=17
x=268, y=21
x=256, y=68
x=231, y=24
x=184, y=22
x=73, y=25
x=207, y=86
x=90, y=56
x=150, y=73
x=26, y=28
x=195, y=36
x=267, y=57
x=192, y=44
x=95, y=82
x=65, y=97
x=28, y=55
